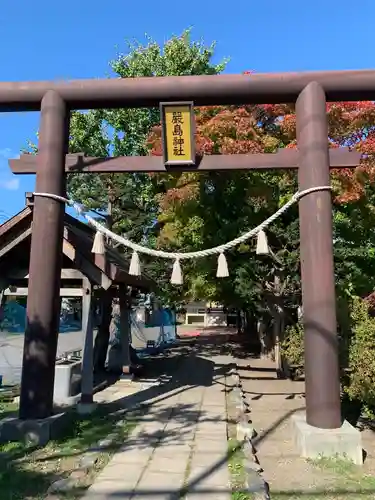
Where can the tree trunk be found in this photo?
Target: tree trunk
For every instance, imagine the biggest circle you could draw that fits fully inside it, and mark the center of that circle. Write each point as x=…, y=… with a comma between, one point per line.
x=278, y=327
x=277, y=340
x=239, y=322
x=262, y=337
x=247, y=318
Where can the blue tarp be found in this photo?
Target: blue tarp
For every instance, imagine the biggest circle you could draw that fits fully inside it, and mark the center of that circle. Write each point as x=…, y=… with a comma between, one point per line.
x=163, y=320
x=13, y=319
x=169, y=325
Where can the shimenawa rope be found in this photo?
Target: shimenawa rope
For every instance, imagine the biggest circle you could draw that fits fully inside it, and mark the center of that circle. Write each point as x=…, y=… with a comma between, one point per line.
x=176, y=278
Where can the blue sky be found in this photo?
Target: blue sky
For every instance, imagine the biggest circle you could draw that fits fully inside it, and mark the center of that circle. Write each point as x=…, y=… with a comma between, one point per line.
x=46, y=40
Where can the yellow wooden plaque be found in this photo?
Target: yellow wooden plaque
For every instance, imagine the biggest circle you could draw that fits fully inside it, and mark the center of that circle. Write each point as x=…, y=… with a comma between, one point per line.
x=178, y=133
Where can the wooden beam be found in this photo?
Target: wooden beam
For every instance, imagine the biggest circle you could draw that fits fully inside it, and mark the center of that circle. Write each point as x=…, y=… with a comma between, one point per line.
x=9, y=224
x=95, y=274
x=283, y=159
x=204, y=90
x=16, y=241
x=23, y=292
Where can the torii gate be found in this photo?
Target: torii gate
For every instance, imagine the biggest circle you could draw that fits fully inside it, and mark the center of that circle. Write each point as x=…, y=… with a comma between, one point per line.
x=313, y=160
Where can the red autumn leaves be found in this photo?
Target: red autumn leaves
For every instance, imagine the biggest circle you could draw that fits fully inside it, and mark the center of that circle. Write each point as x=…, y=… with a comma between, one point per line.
x=265, y=128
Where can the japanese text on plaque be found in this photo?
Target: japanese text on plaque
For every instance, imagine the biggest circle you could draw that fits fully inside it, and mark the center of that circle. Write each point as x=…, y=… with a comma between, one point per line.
x=178, y=133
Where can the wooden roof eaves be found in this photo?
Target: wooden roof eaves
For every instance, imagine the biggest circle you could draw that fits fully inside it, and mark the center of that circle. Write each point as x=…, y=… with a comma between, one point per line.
x=14, y=221
x=76, y=233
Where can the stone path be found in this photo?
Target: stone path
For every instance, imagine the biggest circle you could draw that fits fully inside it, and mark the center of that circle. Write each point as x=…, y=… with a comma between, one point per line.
x=179, y=448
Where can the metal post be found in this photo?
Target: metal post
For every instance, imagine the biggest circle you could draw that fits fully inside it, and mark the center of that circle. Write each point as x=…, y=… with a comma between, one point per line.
x=87, y=383
x=43, y=304
x=323, y=408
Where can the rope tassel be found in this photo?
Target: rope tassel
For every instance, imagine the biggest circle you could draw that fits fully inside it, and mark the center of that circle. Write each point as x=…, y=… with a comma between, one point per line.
x=177, y=278
x=262, y=245
x=135, y=265
x=98, y=245
x=222, y=266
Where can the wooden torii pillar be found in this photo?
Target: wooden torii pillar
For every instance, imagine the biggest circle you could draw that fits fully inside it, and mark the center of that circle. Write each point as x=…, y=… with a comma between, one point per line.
x=313, y=161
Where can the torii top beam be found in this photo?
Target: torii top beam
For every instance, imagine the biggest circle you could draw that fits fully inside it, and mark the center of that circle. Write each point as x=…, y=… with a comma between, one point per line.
x=267, y=88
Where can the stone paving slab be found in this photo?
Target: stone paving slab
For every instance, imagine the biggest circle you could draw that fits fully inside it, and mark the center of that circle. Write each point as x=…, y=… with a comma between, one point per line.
x=130, y=473
x=161, y=481
x=178, y=435
x=177, y=424
x=211, y=495
x=211, y=446
x=208, y=483
x=210, y=436
x=174, y=450
x=172, y=465
x=217, y=478
x=134, y=456
x=209, y=428
x=107, y=488
x=207, y=460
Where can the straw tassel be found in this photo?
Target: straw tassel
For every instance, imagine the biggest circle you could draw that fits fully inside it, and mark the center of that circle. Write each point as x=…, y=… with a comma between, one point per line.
x=262, y=245
x=177, y=278
x=98, y=245
x=222, y=266
x=135, y=265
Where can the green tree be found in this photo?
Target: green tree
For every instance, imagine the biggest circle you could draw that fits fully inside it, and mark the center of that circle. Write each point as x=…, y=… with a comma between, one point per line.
x=127, y=199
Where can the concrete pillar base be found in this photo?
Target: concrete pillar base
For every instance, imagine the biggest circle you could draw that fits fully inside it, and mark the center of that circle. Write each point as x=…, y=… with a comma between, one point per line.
x=344, y=443
x=35, y=432
x=86, y=408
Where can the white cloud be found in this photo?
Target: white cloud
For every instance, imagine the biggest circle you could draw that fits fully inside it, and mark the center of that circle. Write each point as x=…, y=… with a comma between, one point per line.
x=6, y=153
x=10, y=184
x=7, y=180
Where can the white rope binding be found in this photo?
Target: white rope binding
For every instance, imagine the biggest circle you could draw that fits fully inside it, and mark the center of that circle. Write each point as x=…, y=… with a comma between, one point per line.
x=222, y=271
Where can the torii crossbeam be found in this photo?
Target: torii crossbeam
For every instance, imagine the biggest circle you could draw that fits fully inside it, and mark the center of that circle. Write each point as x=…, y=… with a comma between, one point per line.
x=283, y=159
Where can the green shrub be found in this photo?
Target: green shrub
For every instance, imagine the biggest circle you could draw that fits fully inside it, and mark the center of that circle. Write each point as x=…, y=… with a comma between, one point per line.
x=357, y=350
x=362, y=355
x=292, y=347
